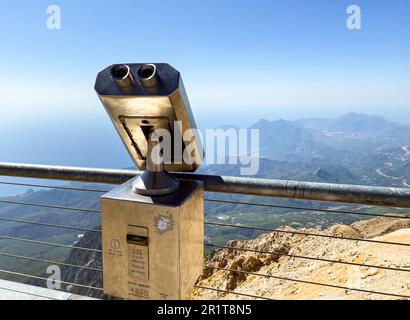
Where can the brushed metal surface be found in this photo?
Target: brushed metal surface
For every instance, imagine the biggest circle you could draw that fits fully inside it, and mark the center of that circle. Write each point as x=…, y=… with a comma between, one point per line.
x=136, y=104
x=174, y=250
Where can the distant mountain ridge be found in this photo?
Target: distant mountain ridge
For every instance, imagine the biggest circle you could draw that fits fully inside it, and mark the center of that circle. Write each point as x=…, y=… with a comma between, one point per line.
x=288, y=140
x=348, y=149
x=351, y=123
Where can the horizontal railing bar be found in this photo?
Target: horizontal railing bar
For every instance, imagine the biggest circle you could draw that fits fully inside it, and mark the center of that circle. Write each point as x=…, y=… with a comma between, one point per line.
x=232, y=292
x=381, y=196
x=214, y=200
x=59, y=226
x=310, y=282
x=308, y=209
x=80, y=174
x=5, y=254
x=36, y=185
x=314, y=258
x=49, y=243
x=46, y=279
x=220, y=201
x=48, y=206
x=306, y=234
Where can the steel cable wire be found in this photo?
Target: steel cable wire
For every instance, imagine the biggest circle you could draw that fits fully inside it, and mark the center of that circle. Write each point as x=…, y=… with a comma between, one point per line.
x=309, y=258
x=49, y=206
x=49, y=225
x=52, y=186
x=308, y=209
x=50, y=244
x=6, y=254
x=306, y=234
x=46, y=279
x=232, y=292
x=311, y=282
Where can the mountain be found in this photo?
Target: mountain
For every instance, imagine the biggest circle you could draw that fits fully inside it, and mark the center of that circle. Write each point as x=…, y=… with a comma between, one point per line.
x=321, y=124
x=85, y=258
x=46, y=216
x=290, y=141
x=351, y=123
x=269, y=169
x=284, y=264
x=332, y=174
x=361, y=123
x=360, y=146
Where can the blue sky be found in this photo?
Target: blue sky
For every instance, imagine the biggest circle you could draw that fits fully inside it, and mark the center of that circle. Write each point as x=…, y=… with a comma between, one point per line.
x=277, y=57
x=240, y=60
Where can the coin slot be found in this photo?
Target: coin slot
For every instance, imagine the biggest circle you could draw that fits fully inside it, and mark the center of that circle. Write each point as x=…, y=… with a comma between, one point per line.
x=137, y=240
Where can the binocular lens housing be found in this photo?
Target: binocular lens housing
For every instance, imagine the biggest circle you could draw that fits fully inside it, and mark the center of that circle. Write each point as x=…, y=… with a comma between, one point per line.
x=142, y=98
x=147, y=75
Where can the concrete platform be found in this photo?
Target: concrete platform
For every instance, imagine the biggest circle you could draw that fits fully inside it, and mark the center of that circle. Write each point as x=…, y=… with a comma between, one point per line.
x=18, y=291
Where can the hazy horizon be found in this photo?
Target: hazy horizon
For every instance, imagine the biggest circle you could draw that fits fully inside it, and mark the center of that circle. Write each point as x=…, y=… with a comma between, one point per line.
x=83, y=141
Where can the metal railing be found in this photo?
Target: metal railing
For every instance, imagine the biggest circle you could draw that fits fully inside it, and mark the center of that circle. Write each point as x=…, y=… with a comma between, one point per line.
x=351, y=194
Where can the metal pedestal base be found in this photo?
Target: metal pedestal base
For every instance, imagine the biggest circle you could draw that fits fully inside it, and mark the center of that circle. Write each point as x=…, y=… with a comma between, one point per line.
x=155, y=183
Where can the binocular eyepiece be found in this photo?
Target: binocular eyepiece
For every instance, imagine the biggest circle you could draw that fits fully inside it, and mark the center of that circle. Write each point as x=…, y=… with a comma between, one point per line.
x=146, y=98
x=147, y=75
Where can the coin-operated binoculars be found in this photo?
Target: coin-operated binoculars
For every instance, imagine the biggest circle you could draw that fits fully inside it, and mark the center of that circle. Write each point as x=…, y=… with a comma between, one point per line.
x=152, y=225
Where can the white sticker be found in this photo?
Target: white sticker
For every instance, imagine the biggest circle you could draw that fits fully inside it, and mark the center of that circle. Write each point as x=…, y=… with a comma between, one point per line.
x=163, y=224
